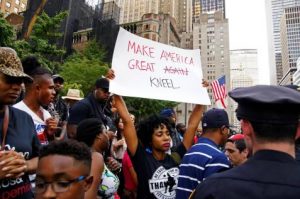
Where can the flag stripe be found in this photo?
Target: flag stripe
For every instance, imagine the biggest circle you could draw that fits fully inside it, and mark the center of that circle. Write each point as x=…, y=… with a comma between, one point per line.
x=219, y=89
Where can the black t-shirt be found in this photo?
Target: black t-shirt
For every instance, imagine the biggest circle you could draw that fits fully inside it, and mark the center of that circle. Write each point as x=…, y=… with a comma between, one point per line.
x=157, y=179
x=21, y=137
x=88, y=108
x=79, y=112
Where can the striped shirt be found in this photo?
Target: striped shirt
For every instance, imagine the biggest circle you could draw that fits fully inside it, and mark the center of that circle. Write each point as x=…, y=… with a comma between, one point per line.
x=202, y=160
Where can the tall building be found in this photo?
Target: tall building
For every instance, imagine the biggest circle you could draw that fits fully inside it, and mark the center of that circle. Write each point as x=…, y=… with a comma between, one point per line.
x=180, y=10
x=211, y=36
x=290, y=41
x=108, y=10
x=169, y=7
x=105, y=28
x=133, y=10
x=12, y=6
x=207, y=6
x=157, y=27
x=196, y=9
x=296, y=76
x=243, y=73
x=275, y=9
x=80, y=16
x=185, y=16
x=186, y=40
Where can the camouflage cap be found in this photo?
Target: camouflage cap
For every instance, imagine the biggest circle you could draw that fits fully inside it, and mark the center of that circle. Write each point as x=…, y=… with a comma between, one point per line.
x=11, y=65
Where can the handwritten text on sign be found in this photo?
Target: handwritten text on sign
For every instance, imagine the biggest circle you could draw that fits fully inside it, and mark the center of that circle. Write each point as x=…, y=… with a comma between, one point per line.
x=149, y=69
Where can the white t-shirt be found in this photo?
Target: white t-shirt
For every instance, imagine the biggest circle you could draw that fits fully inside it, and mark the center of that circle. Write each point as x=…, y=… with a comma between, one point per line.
x=39, y=124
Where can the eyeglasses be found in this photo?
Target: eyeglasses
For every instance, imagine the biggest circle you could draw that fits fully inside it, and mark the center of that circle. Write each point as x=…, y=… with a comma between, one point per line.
x=58, y=187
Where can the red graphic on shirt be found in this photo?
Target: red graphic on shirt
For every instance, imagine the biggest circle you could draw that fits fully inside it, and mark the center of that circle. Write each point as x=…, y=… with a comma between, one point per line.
x=40, y=130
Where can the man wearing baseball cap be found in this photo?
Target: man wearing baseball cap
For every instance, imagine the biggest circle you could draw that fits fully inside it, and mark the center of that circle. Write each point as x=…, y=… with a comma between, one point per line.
x=58, y=108
x=204, y=158
x=269, y=117
x=18, y=141
x=93, y=106
x=236, y=149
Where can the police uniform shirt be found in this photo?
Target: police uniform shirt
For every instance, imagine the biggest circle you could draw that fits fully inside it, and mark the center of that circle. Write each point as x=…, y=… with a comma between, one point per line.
x=267, y=175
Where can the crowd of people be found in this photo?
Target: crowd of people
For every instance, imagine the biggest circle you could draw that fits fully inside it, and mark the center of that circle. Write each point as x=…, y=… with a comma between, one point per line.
x=69, y=147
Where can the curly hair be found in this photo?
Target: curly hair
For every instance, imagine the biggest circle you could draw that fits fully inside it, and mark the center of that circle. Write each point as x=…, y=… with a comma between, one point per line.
x=146, y=128
x=88, y=129
x=78, y=151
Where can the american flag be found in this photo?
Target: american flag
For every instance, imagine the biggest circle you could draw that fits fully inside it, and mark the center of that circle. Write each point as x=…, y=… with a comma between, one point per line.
x=219, y=90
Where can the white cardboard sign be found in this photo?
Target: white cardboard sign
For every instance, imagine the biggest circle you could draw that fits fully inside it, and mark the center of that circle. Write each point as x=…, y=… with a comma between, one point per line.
x=149, y=69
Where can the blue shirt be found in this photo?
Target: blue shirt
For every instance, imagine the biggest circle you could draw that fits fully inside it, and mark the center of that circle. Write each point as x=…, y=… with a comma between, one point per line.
x=202, y=160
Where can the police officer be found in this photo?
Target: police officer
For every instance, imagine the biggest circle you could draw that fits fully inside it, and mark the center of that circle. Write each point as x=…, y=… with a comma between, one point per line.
x=269, y=117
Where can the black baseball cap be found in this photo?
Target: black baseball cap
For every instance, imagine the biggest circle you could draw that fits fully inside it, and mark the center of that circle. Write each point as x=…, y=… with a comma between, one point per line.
x=215, y=118
x=102, y=83
x=59, y=78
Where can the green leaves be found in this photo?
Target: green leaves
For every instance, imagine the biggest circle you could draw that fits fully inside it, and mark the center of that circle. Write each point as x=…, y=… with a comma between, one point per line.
x=7, y=33
x=47, y=28
x=83, y=68
x=142, y=108
x=42, y=42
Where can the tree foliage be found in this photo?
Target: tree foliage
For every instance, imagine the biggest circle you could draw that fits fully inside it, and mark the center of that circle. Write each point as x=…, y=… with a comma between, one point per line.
x=83, y=68
x=42, y=42
x=142, y=108
x=6, y=32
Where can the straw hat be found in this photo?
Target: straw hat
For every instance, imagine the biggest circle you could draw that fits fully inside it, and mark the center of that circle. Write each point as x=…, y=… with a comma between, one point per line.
x=73, y=94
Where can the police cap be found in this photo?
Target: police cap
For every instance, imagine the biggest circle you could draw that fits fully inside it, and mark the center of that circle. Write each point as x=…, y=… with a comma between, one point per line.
x=267, y=104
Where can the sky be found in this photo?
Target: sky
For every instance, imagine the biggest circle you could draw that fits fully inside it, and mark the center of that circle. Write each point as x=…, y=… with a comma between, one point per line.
x=247, y=30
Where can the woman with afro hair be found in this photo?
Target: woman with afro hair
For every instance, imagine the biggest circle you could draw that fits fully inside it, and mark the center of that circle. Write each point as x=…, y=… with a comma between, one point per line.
x=157, y=171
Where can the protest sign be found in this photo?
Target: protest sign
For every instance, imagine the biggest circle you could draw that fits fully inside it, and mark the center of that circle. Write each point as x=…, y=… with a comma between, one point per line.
x=149, y=69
